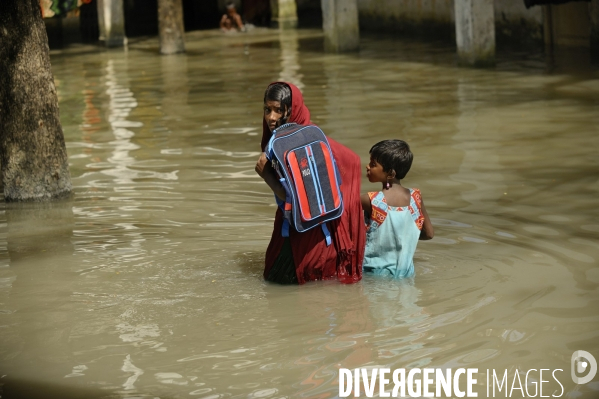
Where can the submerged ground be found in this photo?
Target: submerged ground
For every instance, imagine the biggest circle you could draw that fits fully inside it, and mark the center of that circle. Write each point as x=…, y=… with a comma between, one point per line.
x=148, y=282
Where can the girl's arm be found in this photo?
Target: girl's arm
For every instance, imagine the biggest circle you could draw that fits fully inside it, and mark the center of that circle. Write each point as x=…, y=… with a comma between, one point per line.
x=265, y=171
x=366, y=205
x=427, y=231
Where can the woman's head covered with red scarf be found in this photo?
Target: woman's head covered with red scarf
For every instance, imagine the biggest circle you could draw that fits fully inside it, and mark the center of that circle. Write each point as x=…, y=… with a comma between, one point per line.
x=283, y=103
x=313, y=259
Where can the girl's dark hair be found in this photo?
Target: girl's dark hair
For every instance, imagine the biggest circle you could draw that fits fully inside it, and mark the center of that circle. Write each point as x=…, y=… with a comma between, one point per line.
x=282, y=93
x=393, y=155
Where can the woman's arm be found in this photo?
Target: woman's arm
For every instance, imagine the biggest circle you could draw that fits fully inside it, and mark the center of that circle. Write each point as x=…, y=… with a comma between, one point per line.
x=269, y=175
x=427, y=231
x=366, y=205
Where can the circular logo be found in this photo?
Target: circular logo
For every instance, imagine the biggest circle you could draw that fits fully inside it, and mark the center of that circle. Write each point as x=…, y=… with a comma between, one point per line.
x=583, y=362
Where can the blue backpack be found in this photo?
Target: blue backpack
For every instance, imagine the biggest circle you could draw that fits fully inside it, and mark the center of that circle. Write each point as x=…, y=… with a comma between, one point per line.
x=304, y=162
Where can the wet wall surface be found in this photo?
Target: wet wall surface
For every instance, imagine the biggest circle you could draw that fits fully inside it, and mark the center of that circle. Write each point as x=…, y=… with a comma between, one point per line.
x=148, y=283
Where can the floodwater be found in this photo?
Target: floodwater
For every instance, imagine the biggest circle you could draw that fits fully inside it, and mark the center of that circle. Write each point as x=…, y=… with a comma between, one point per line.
x=148, y=283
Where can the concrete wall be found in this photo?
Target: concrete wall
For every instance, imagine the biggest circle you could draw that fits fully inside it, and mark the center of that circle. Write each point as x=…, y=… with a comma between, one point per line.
x=308, y=3
x=309, y=13
x=514, y=22
x=435, y=18
x=411, y=10
x=570, y=24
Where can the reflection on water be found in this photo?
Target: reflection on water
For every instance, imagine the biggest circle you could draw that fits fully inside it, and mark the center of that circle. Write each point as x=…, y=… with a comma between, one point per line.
x=148, y=282
x=290, y=58
x=121, y=102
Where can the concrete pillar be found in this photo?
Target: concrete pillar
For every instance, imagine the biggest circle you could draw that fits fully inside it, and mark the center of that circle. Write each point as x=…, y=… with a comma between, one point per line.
x=340, y=25
x=475, y=32
x=594, y=13
x=170, y=26
x=111, y=21
x=284, y=14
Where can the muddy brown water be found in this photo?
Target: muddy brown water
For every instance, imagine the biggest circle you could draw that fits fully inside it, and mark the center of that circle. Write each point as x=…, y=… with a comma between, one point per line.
x=148, y=283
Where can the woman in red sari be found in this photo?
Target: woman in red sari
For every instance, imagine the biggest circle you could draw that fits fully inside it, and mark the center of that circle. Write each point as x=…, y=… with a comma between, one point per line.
x=305, y=256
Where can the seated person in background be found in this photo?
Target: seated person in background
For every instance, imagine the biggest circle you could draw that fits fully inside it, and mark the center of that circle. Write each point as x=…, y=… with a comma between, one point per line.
x=231, y=20
x=396, y=215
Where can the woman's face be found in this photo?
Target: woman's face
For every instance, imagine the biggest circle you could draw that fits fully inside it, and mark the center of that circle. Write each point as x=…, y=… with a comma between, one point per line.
x=273, y=114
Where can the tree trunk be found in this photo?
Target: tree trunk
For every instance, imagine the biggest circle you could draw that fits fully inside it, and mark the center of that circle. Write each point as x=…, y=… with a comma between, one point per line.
x=170, y=23
x=33, y=155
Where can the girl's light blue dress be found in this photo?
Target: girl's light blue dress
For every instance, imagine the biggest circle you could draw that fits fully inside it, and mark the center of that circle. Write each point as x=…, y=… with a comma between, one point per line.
x=392, y=236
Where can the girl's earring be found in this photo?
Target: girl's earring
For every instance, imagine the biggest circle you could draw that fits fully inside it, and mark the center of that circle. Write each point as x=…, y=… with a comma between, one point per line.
x=387, y=185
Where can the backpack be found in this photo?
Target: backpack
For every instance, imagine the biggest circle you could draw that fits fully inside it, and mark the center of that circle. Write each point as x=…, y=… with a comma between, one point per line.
x=304, y=162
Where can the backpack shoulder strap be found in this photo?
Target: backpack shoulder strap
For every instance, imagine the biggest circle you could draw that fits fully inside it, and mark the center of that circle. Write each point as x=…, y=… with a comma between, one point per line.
x=327, y=234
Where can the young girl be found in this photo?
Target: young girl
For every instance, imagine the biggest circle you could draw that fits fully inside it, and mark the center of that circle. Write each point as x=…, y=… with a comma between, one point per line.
x=396, y=217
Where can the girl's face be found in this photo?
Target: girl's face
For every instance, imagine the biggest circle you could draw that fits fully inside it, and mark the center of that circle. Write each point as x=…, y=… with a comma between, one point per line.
x=273, y=114
x=375, y=172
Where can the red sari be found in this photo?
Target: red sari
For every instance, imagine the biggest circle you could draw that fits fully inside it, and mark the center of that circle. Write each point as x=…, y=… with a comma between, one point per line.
x=312, y=258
